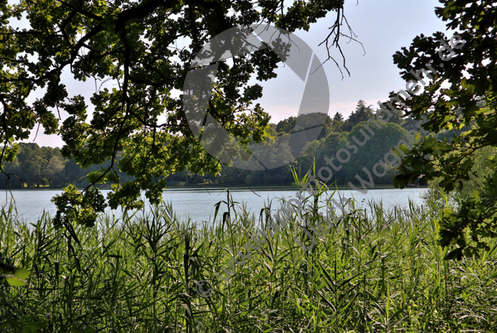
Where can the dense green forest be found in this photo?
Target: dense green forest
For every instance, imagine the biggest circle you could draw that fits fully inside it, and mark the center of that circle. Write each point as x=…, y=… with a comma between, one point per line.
x=37, y=166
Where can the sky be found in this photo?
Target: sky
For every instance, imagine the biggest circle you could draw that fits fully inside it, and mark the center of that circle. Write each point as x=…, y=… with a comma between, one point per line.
x=383, y=27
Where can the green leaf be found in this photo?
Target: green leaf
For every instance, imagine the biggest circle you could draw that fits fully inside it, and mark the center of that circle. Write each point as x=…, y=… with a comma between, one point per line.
x=18, y=279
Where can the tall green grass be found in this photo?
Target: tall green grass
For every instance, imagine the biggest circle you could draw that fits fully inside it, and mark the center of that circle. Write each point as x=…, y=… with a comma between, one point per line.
x=376, y=272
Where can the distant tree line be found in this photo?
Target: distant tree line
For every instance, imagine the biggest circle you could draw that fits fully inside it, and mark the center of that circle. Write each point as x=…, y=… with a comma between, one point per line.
x=337, y=136
x=37, y=166
x=46, y=167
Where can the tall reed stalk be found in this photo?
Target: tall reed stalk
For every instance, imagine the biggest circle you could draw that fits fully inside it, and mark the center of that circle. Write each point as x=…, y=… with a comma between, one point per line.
x=376, y=272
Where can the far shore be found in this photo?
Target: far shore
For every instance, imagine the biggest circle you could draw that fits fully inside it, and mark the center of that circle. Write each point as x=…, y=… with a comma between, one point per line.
x=220, y=187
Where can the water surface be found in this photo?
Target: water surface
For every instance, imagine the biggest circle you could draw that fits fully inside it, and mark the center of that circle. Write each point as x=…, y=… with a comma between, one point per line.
x=198, y=204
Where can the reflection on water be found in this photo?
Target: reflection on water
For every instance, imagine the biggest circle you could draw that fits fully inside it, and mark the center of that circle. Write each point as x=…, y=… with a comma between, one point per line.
x=198, y=204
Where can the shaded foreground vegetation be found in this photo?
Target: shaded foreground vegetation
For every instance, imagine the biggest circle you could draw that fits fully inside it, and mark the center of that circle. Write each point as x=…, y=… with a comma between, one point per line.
x=376, y=272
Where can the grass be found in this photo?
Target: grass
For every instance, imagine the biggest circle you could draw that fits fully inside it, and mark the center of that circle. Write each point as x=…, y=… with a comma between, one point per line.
x=380, y=272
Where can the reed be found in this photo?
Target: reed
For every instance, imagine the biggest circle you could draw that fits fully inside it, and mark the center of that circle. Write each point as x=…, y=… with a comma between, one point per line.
x=373, y=271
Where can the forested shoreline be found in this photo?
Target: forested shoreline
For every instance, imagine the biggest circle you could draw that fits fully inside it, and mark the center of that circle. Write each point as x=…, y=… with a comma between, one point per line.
x=36, y=166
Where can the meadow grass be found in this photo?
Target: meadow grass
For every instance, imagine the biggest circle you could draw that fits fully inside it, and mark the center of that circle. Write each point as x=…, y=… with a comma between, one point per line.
x=376, y=272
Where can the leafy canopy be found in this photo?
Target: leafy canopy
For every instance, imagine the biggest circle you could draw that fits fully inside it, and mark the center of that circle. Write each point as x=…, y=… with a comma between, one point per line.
x=138, y=53
x=460, y=93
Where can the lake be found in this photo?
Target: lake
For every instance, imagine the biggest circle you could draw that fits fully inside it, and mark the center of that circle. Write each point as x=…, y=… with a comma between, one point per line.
x=198, y=204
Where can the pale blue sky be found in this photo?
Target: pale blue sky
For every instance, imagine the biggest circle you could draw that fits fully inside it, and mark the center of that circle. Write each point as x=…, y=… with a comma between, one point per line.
x=383, y=26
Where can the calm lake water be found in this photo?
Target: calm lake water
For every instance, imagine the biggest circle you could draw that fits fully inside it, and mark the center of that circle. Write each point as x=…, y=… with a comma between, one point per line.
x=198, y=204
